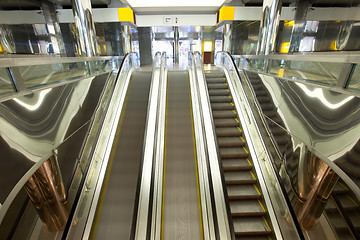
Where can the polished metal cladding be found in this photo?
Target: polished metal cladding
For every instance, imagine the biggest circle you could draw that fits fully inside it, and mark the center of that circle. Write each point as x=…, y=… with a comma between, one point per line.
x=327, y=122
x=46, y=191
x=227, y=37
x=269, y=26
x=299, y=25
x=316, y=182
x=57, y=45
x=85, y=28
x=33, y=125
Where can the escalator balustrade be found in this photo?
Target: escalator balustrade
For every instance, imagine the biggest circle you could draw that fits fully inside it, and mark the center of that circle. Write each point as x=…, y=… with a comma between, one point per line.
x=248, y=210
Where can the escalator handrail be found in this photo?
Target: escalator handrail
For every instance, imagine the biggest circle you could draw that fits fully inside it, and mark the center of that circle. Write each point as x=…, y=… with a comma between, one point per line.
x=150, y=188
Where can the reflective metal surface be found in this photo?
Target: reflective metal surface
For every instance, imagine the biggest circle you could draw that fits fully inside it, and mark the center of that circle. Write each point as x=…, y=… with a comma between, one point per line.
x=46, y=191
x=35, y=124
x=85, y=28
x=269, y=26
x=326, y=121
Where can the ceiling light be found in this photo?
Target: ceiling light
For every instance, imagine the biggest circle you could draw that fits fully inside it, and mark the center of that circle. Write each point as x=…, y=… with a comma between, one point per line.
x=175, y=3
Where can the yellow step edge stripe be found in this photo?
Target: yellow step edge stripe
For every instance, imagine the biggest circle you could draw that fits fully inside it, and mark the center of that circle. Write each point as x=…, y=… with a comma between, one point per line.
x=257, y=189
x=245, y=150
x=261, y=205
x=236, y=119
x=254, y=178
x=249, y=162
x=267, y=224
x=239, y=129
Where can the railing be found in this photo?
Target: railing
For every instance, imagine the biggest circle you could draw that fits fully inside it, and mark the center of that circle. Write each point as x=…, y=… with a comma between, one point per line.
x=207, y=155
x=153, y=155
x=25, y=74
x=335, y=71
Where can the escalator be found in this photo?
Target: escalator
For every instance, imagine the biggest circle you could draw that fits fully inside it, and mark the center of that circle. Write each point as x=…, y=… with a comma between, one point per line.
x=117, y=201
x=117, y=209
x=248, y=210
x=181, y=210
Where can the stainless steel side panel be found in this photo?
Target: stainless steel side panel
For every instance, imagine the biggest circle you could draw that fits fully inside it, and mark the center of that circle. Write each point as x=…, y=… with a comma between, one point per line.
x=327, y=122
x=33, y=125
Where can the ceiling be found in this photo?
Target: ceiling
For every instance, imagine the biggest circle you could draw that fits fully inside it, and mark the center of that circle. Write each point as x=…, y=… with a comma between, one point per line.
x=36, y=4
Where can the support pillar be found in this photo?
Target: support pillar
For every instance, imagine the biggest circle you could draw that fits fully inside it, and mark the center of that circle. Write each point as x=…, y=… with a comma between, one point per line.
x=126, y=39
x=315, y=183
x=269, y=26
x=85, y=28
x=302, y=7
x=53, y=27
x=46, y=191
x=176, y=44
x=227, y=37
x=145, y=38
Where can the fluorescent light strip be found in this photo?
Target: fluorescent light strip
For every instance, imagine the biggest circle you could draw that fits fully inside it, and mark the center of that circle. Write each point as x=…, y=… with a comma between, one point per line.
x=176, y=3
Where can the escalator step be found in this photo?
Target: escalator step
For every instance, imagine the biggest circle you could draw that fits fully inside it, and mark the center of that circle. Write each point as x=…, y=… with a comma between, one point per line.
x=246, y=208
x=336, y=220
x=348, y=203
x=267, y=106
x=214, y=75
x=270, y=113
x=353, y=157
x=255, y=80
x=236, y=164
x=217, y=86
x=239, y=177
x=340, y=189
x=261, y=93
x=226, y=122
x=257, y=87
x=228, y=132
x=222, y=106
x=231, y=142
x=281, y=139
x=233, y=152
x=224, y=114
x=247, y=191
x=218, y=92
x=330, y=206
x=220, y=99
x=253, y=238
x=278, y=131
x=250, y=226
x=263, y=99
x=215, y=80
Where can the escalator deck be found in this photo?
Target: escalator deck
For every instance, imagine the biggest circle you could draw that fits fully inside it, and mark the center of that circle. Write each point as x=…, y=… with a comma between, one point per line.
x=248, y=210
